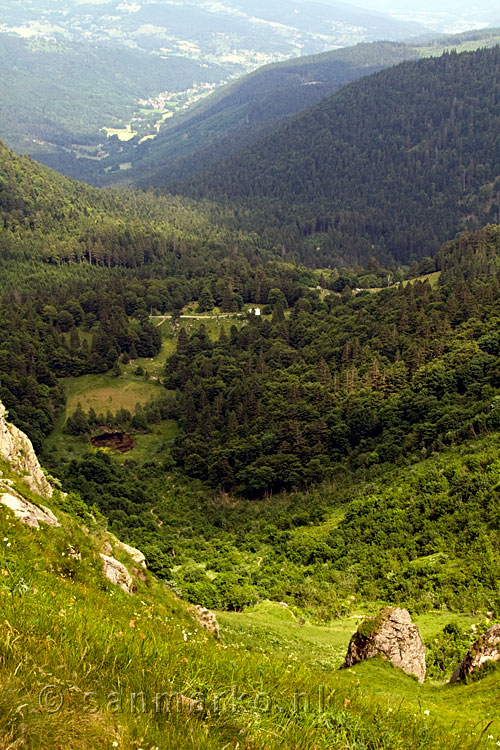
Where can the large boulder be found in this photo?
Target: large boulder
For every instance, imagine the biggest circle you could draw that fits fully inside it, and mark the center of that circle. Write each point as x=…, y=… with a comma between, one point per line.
x=26, y=511
x=207, y=620
x=393, y=636
x=118, y=574
x=486, y=648
x=16, y=448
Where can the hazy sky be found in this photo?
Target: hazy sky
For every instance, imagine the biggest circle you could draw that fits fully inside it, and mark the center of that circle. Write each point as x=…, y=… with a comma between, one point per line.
x=455, y=7
x=451, y=15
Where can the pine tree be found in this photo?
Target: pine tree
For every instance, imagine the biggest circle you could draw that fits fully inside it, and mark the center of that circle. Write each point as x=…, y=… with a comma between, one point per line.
x=206, y=301
x=182, y=342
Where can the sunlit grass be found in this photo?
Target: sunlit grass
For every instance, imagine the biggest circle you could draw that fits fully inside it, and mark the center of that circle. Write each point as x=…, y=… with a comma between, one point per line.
x=102, y=653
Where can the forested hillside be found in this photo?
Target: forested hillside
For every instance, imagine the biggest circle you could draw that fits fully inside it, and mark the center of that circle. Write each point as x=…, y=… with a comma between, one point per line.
x=48, y=217
x=370, y=378
x=87, y=267
x=236, y=116
x=392, y=165
x=253, y=106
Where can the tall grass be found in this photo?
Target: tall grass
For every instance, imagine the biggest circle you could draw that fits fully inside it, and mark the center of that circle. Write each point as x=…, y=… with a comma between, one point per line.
x=81, y=664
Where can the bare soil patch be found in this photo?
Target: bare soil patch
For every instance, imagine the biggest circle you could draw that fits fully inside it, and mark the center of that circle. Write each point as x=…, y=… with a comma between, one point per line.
x=117, y=441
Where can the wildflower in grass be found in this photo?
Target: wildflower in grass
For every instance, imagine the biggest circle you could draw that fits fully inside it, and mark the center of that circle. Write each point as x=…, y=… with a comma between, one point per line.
x=426, y=712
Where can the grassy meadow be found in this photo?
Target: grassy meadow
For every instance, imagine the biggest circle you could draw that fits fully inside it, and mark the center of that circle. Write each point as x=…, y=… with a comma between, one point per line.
x=105, y=392
x=85, y=665
x=277, y=628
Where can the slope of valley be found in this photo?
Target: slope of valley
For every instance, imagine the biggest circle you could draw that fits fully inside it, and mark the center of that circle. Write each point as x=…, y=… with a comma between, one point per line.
x=266, y=412
x=252, y=107
x=392, y=165
x=238, y=115
x=79, y=608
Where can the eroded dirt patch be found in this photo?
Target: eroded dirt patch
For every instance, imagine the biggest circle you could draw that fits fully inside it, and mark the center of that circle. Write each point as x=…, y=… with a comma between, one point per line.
x=117, y=441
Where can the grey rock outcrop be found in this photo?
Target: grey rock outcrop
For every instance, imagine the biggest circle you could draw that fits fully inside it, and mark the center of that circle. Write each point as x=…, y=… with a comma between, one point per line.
x=118, y=574
x=207, y=620
x=107, y=549
x=26, y=511
x=16, y=448
x=485, y=649
x=135, y=554
x=393, y=636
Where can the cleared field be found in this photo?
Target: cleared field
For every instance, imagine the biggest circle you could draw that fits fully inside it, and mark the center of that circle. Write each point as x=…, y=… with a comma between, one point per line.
x=432, y=278
x=103, y=392
x=124, y=134
x=469, y=46
x=213, y=326
x=155, y=367
x=106, y=393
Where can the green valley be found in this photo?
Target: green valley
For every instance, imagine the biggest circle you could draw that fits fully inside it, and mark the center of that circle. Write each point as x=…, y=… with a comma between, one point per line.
x=70, y=637
x=267, y=409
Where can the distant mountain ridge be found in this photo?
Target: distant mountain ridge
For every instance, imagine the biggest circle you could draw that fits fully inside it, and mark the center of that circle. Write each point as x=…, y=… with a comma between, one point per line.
x=241, y=32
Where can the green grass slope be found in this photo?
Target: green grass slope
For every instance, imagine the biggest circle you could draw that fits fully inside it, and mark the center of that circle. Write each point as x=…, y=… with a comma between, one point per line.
x=85, y=665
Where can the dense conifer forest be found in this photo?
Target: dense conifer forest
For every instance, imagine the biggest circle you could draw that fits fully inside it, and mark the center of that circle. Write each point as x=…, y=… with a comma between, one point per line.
x=371, y=377
x=392, y=165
